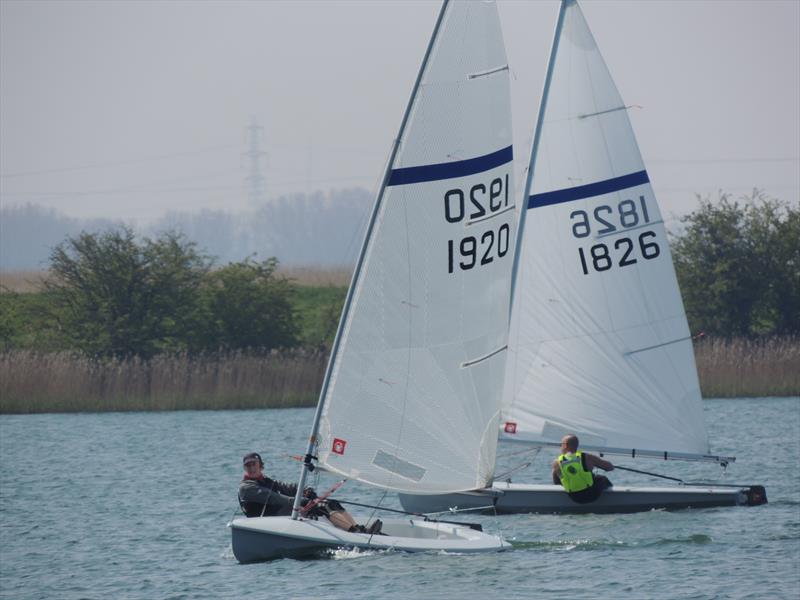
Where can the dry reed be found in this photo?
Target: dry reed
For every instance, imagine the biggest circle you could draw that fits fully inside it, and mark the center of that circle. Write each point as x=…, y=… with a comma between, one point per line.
x=22, y=282
x=32, y=382
x=746, y=368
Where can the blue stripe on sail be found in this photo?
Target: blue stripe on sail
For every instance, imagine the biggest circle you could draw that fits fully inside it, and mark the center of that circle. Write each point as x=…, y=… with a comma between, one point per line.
x=460, y=168
x=587, y=191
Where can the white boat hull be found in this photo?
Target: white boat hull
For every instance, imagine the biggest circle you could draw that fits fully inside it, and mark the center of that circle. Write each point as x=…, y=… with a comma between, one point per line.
x=266, y=538
x=531, y=498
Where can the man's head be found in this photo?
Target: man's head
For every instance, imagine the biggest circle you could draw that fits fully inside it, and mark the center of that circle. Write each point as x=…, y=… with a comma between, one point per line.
x=569, y=443
x=252, y=463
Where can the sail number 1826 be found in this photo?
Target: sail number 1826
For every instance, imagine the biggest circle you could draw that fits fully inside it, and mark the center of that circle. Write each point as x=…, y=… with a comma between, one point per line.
x=608, y=220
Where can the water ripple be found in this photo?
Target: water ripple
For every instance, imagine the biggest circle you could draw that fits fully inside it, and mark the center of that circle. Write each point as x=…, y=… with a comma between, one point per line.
x=123, y=520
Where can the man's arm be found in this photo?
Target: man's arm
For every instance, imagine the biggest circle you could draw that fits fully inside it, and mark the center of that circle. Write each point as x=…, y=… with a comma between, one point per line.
x=287, y=489
x=556, y=473
x=250, y=491
x=593, y=462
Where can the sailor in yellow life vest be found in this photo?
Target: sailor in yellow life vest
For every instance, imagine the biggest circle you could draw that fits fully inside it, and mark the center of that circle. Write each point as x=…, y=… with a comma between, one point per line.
x=573, y=470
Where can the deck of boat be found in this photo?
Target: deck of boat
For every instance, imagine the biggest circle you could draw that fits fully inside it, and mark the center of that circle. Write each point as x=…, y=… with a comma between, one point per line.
x=533, y=498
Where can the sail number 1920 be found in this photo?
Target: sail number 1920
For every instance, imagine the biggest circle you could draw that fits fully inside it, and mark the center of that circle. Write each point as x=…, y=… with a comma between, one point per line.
x=608, y=220
x=480, y=202
x=473, y=250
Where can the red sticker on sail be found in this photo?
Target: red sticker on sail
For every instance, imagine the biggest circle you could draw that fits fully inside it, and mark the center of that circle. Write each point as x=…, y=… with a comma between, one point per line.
x=511, y=427
x=338, y=446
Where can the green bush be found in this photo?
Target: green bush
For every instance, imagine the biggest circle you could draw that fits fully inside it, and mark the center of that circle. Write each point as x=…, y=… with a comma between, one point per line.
x=111, y=295
x=249, y=307
x=114, y=296
x=739, y=267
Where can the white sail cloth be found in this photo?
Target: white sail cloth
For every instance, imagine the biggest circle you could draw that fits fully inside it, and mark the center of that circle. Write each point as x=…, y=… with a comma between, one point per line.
x=414, y=392
x=599, y=343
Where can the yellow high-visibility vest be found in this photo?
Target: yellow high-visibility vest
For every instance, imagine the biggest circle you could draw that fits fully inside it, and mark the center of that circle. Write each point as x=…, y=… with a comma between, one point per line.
x=574, y=477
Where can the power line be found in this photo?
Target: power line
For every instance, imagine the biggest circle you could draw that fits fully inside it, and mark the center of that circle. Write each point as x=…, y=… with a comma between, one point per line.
x=148, y=189
x=119, y=162
x=704, y=161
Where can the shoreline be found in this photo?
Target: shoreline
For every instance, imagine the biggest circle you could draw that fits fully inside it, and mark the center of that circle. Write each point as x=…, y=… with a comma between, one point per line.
x=38, y=382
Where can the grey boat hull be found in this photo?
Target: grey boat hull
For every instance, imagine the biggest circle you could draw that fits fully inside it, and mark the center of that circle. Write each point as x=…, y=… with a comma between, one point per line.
x=267, y=538
x=551, y=499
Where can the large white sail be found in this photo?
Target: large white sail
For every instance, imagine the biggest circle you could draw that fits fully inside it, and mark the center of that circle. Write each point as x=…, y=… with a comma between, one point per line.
x=599, y=343
x=414, y=389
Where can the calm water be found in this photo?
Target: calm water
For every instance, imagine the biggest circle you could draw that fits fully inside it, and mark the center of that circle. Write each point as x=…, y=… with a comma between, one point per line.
x=135, y=506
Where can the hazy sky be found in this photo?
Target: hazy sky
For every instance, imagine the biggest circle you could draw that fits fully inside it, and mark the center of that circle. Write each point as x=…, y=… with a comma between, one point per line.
x=129, y=109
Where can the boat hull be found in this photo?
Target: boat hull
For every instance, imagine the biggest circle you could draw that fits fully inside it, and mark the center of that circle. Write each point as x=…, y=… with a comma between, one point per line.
x=267, y=538
x=551, y=499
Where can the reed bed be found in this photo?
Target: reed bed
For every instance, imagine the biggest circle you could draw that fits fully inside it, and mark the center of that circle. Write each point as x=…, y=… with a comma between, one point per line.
x=748, y=367
x=22, y=282
x=34, y=382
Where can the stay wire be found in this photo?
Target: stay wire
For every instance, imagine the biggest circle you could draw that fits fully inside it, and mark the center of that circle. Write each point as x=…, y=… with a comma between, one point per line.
x=426, y=517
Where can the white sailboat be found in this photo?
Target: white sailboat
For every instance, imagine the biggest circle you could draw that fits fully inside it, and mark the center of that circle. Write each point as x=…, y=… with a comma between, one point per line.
x=411, y=397
x=599, y=343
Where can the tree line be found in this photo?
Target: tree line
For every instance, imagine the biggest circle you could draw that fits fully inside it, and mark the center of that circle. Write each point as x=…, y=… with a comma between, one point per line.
x=302, y=229
x=116, y=295
x=112, y=295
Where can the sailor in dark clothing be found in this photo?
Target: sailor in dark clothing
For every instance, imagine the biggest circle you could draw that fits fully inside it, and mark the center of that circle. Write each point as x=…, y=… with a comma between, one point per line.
x=261, y=496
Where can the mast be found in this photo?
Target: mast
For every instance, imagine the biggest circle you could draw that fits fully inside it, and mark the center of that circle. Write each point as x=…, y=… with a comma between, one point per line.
x=307, y=464
x=535, y=146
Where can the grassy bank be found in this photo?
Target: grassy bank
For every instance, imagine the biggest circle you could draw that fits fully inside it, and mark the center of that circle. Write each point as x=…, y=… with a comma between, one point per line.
x=34, y=382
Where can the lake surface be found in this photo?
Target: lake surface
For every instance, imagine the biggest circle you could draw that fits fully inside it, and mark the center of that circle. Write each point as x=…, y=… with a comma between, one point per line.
x=135, y=505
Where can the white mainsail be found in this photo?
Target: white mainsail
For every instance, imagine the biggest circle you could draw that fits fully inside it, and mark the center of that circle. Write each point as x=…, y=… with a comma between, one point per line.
x=414, y=387
x=599, y=343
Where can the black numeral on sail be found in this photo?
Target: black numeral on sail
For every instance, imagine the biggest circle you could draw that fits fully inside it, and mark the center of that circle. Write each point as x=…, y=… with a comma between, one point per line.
x=626, y=213
x=625, y=260
x=599, y=257
x=494, y=198
x=464, y=253
x=607, y=227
